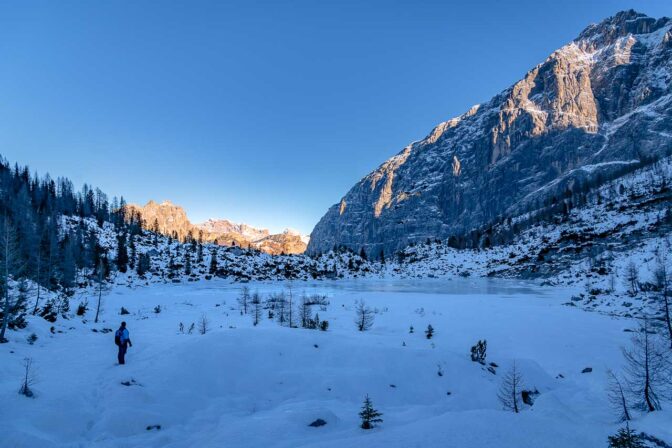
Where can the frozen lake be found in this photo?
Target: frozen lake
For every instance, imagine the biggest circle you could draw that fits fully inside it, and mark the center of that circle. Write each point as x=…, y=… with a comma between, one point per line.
x=242, y=385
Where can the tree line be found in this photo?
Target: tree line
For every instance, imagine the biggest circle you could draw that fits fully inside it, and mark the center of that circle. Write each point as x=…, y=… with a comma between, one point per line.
x=39, y=249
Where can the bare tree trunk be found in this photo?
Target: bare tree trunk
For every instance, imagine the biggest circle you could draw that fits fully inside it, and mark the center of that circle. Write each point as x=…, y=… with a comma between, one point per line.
x=100, y=289
x=666, y=301
x=5, y=282
x=647, y=368
x=663, y=281
x=291, y=306
x=100, y=297
x=39, y=265
x=5, y=318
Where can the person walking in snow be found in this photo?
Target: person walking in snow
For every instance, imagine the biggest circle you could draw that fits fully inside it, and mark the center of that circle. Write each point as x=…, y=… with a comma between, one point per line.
x=122, y=339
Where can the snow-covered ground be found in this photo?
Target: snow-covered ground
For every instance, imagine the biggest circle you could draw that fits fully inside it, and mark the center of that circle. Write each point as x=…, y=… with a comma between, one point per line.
x=241, y=385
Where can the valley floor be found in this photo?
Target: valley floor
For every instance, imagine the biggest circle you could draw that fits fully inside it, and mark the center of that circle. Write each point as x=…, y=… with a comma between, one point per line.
x=241, y=385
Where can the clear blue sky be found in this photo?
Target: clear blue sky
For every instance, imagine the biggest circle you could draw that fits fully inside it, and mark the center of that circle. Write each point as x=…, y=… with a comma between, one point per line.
x=262, y=112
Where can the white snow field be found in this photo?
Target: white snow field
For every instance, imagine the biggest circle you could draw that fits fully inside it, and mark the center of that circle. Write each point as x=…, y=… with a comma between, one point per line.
x=246, y=386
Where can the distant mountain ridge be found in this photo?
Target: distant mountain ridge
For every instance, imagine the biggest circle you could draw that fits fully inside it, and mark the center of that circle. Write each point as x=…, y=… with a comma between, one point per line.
x=595, y=109
x=225, y=226
x=170, y=219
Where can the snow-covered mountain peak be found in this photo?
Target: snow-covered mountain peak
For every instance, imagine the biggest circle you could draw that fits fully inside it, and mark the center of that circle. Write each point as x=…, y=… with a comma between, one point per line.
x=601, y=102
x=619, y=26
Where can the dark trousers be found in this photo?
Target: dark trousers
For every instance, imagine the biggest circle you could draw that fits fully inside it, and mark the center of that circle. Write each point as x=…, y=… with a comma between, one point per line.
x=122, y=352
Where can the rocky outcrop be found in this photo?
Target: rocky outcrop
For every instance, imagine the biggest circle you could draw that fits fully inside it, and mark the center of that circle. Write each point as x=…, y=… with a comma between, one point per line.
x=287, y=242
x=166, y=217
x=592, y=110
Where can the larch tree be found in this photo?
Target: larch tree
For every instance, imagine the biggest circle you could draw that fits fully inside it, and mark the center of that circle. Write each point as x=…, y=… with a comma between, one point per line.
x=662, y=278
x=511, y=389
x=647, y=373
x=632, y=277
x=244, y=299
x=290, y=305
x=617, y=397
x=364, y=316
x=281, y=308
x=305, y=312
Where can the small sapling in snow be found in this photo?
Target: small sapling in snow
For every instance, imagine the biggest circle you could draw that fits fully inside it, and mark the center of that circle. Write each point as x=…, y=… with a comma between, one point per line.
x=28, y=379
x=203, y=324
x=369, y=415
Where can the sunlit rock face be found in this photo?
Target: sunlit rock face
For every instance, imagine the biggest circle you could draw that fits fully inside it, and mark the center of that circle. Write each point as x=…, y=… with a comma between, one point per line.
x=171, y=220
x=594, y=106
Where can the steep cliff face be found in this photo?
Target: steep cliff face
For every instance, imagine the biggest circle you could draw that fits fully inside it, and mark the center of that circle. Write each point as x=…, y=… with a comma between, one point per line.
x=171, y=219
x=593, y=109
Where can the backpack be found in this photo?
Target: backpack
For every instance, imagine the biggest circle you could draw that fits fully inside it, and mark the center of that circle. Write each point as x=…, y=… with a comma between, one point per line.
x=117, y=337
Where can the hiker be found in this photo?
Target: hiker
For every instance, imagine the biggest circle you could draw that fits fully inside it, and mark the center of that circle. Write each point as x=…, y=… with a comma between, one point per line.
x=122, y=339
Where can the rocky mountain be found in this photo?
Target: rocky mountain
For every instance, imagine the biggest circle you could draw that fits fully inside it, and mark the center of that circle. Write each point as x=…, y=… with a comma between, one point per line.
x=595, y=109
x=287, y=242
x=223, y=226
x=166, y=218
x=170, y=219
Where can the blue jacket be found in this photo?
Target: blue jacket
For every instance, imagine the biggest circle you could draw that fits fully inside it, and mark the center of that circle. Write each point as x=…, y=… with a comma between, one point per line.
x=123, y=335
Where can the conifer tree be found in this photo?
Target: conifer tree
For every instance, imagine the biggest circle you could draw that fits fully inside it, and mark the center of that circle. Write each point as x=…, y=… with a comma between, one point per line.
x=256, y=308
x=213, y=262
x=143, y=265
x=133, y=255
x=11, y=267
x=187, y=262
x=122, y=253
x=172, y=267
x=68, y=264
x=625, y=438
x=369, y=415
